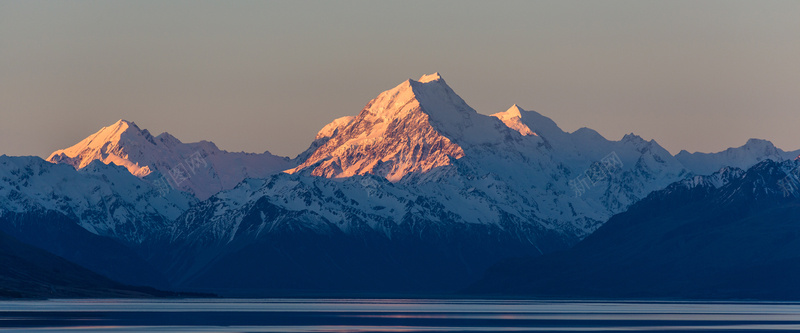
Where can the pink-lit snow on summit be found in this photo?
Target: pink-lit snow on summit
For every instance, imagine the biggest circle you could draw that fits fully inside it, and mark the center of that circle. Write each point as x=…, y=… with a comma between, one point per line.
x=107, y=146
x=414, y=128
x=513, y=119
x=125, y=144
x=391, y=137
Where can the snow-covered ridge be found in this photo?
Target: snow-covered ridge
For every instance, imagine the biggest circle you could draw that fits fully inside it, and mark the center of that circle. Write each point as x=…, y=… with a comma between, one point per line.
x=199, y=168
x=743, y=157
x=513, y=119
x=104, y=199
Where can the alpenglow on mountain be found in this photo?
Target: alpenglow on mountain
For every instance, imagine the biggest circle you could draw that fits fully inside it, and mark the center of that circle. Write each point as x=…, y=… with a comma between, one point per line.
x=426, y=192
x=391, y=137
x=199, y=168
x=417, y=192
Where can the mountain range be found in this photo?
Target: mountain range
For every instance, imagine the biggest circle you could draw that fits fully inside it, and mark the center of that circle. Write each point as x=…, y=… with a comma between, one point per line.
x=416, y=193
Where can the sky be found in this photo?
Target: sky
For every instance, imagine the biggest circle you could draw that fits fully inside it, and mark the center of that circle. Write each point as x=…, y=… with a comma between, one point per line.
x=267, y=75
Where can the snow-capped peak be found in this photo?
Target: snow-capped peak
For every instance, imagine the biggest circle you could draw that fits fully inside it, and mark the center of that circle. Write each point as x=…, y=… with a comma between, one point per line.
x=754, y=143
x=745, y=156
x=513, y=119
x=200, y=168
x=105, y=145
x=398, y=132
x=514, y=111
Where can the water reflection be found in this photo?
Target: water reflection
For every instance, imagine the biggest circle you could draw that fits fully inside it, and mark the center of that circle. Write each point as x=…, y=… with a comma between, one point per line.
x=392, y=315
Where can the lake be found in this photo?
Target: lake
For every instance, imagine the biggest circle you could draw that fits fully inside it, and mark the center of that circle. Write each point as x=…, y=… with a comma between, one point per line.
x=392, y=315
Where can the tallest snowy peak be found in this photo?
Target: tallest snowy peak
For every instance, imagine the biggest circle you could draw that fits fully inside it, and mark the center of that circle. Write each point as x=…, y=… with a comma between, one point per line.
x=123, y=122
x=414, y=127
x=430, y=95
x=116, y=129
x=409, y=128
x=430, y=77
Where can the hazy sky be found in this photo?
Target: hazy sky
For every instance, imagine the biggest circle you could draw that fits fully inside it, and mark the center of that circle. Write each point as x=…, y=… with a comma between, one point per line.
x=255, y=76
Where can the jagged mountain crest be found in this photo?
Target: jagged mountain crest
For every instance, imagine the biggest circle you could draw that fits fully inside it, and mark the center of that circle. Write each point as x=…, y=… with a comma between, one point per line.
x=745, y=156
x=513, y=119
x=111, y=144
x=105, y=200
x=200, y=168
x=392, y=136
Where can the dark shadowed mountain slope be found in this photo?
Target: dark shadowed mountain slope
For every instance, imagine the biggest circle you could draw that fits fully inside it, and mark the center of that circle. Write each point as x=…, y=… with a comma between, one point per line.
x=734, y=234
x=30, y=272
x=62, y=236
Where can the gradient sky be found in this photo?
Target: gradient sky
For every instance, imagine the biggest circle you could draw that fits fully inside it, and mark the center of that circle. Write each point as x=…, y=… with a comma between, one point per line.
x=255, y=76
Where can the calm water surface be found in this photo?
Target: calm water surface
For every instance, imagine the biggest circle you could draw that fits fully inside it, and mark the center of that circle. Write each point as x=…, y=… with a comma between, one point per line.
x=391, y=315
